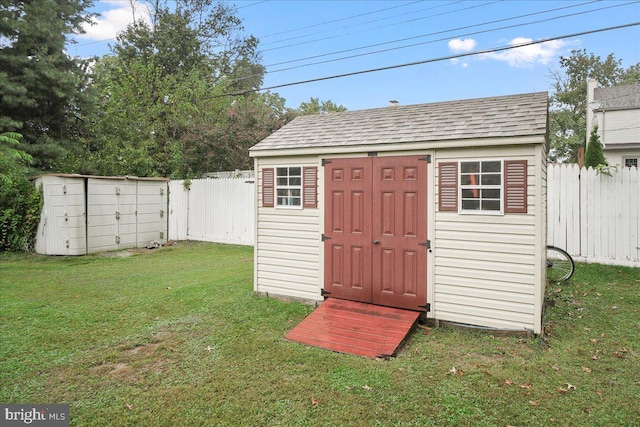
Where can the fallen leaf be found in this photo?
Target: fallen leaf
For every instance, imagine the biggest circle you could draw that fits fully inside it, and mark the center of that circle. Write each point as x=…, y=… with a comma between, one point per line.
x=599, y=294
x=314, y=401
x=209, y=348
x=570, y=386
x=534, y=403
x=598, y=392
x=562, y=390
x=416, y=351
x=453, y=370
x=526, y=385
x=618, y=355
x=169, y=287
x=593, y=341
x=366, y=387
x=587, y=410
x=623, y=350
x=615, y=307
x=555, y=367
x=585, y=369
x=508, y=382
x=594, y=357
x=129, y=407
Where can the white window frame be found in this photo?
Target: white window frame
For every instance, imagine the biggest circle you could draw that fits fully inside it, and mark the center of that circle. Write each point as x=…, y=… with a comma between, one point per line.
x=288, y=187
x=479, y=187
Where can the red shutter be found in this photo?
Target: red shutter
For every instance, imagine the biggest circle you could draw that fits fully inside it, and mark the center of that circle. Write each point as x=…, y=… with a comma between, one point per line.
x=267, y=187
x=310, y=187
x=448, y=186
x=515, y=186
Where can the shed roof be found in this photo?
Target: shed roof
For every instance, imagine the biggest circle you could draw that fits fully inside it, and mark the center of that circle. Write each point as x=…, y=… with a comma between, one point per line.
x=501, y=116
x=618, y=97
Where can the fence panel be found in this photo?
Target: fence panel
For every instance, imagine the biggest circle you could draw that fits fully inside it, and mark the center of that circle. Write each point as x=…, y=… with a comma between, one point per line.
x=594, y=216
x=213, y=210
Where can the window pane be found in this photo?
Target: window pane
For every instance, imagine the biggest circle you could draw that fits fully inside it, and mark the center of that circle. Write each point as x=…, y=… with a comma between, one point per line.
x=295, y=202
x=295, y=181
x=282, y=172
x=491, y=194
x=491, y=205
x=491, y=167
x=295, y=192
x=470, y=179
x=282, y=181
x=491, y=179
x=470, y=205
x=470, y=167
x=470, y=194
x=630, y=163
x=297, y=171
x=283, y=193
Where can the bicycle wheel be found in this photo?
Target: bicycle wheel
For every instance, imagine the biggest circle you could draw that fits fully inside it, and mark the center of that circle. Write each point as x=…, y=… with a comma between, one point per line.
x=560, y=265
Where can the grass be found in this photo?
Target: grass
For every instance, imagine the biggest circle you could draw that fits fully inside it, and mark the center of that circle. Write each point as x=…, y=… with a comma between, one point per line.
x=176, y=337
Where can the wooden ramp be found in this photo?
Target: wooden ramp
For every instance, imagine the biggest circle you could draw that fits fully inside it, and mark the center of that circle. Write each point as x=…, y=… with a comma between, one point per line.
x=355, y=328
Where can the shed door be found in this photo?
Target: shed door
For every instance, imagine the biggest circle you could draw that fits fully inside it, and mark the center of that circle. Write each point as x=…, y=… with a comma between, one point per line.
x=375, y=225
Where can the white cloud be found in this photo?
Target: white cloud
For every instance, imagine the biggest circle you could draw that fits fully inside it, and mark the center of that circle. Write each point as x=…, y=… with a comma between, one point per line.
x=458, y=45
x=456, y=61
x=112, y=21
x=540, y=53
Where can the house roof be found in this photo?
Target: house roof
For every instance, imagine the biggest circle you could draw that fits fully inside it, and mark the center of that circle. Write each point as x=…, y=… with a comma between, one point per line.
x=618, y=97
x=501, y=116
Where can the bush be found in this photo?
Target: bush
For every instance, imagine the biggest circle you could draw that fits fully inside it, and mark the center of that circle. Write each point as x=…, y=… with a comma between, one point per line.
x=594, y=156
x=20, y=201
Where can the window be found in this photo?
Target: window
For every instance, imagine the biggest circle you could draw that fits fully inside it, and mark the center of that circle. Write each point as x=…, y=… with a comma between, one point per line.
x=481, y=186
x=289, y=186
x=631, y=162
x=493, y=187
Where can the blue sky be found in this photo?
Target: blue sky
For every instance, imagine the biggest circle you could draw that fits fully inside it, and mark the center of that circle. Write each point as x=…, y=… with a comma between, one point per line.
x=292, y=30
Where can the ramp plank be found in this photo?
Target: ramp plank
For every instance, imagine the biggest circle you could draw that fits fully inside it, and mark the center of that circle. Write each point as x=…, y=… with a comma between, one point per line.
x=355, y=328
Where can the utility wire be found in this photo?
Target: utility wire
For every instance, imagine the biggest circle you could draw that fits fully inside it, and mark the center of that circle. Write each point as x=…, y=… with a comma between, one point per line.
x=341, y=19
x=435, y=33
x=441, y=39
x=376, y=28
x=385, y=18
x=426, y=61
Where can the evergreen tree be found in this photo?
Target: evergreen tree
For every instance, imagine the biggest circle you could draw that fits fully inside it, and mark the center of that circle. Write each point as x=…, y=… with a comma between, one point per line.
x=43, y=89
x=594, y=156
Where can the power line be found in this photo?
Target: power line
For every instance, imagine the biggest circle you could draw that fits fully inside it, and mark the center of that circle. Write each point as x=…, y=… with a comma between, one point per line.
x=440, y=39
x=432, y=34
x=362, y=23
x=377, y=28
x=342, y=19
x=426, y=61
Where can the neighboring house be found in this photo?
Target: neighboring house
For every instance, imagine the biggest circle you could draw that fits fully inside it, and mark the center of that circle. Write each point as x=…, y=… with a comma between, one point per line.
x=616, y=111
x=439, y=208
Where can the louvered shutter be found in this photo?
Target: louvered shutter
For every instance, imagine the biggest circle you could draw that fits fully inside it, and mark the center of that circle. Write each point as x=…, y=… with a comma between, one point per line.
x=267, y=187
x=448, y=186
x=515, y=186
x=310, y=187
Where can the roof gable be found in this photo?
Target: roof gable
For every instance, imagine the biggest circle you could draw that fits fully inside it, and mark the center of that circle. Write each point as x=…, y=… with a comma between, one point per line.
x=503, y=116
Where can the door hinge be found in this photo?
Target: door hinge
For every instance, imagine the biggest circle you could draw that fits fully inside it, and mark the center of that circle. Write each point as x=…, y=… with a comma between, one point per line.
x=323, y=292
x=325, y=162
x=323, y=237
x=426, y=244
x=427, y=307
x=427, y=158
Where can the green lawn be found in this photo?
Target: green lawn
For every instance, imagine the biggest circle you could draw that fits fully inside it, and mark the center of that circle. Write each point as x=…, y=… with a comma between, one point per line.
x=176, y=337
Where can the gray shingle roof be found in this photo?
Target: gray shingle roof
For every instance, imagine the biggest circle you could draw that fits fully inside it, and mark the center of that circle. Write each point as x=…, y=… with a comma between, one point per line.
x=618, y=97
x=502, y=116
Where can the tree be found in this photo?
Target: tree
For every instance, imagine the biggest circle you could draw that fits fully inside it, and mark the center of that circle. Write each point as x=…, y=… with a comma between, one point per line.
x=20, y=201
x=568, y=107
x=166, y=88
x=594, y=156
x=315, y=106
x=43, y=89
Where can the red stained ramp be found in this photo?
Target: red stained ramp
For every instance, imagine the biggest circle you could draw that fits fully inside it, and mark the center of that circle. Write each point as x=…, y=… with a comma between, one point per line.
x=355, y=328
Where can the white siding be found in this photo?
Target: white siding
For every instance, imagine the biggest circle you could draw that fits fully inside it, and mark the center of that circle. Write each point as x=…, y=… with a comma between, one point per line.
x=288, y=247
x=488, y=268
x=619, y=127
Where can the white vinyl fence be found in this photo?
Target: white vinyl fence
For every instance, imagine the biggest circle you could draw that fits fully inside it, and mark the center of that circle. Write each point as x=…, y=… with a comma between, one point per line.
x=593, y=216
x=212, y=210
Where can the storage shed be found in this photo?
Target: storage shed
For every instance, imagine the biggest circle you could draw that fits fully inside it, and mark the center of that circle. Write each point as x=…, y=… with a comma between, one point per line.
x=438, y=208
x=84, y=214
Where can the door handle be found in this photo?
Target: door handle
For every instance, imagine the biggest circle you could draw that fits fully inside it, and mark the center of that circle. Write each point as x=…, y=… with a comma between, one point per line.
x=376, y=242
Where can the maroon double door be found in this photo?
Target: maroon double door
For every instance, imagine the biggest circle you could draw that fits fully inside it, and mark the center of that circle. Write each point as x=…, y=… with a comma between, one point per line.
x=376, y=230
